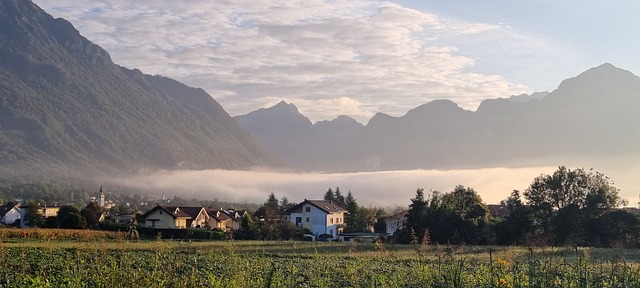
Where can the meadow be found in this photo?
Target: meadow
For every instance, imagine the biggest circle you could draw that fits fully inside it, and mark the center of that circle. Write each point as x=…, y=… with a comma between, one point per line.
x=72, y=260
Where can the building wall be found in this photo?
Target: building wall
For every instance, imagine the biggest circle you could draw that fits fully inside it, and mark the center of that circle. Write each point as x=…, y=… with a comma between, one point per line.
x=49, y=211
x=213, y=223
x=201, y=219
x=12, y=216
x=164, y=220
x=319, y=221
x=333, y=221
x=180, y=223
x=394, y=225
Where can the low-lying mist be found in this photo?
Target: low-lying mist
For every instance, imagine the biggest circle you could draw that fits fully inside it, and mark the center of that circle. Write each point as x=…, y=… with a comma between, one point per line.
x=384, y=189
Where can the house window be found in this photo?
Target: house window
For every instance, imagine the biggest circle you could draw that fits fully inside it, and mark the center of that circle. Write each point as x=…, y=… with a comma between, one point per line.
x=330, y=231
x=307, y=209
x=160, y=212
x=298, y=220
x=307, y=219
x=331, y=219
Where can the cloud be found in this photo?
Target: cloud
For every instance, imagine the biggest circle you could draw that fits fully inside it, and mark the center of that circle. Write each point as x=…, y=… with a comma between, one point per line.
x=386, y=57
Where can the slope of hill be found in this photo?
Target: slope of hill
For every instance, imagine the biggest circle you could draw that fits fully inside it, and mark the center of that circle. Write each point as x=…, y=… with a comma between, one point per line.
x=65, y=105
x=305, y=146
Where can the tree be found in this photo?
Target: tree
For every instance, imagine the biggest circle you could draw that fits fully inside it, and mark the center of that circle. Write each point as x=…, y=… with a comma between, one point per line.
x=416, y=216
x=272, y=202
x=92, y=214
x=329, y=195
x=568, y=203
x=352, y=210
x=32, y=216
x=467, y=203
x=69, y=217
x=270, y=209
x=269, y=214
x=578, y=187
x=247, y=229
x=284, y=203
x=339, y=198
x=517, y=225
x=365, y=219
x=617, y=228
x=380, y=226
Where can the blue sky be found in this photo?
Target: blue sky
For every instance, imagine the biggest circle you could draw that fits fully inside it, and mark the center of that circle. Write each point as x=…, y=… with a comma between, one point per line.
x=357, y=57
x=588, y=32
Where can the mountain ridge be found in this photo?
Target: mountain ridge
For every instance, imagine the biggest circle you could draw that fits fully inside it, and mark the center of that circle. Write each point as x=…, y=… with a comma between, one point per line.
x=64, y=105
x=588, y=115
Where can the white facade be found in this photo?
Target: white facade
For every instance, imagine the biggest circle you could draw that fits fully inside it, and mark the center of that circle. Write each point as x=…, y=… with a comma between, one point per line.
x=14, y=214
x=395, y=222
x=317, y=220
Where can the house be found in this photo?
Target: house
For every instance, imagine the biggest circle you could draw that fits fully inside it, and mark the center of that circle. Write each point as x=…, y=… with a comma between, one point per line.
x=323, y=218
x=236, y=216
x=124, y=218
x=10, y=213
x=219, y=220
x=395, y=222
x=176, y=217
x=50, y=211
x=498, y=210
x=226, y=220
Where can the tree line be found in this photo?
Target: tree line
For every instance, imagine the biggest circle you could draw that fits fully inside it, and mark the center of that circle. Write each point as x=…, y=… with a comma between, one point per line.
x=568, y=207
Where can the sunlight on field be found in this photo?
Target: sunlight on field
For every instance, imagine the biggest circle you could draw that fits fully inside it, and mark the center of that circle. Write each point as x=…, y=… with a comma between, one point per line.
x=306, y=264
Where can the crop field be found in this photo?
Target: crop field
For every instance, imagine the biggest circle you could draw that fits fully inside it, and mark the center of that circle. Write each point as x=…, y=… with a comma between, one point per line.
x=164, y=263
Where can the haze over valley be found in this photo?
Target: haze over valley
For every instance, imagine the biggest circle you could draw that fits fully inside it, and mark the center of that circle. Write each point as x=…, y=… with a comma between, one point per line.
x=379, y=120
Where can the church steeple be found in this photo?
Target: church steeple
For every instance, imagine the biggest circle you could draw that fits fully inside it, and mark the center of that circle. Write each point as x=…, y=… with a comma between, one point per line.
x=101, y=200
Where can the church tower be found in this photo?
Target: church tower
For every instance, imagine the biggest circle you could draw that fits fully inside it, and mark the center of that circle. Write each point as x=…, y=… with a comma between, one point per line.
x=101, y=199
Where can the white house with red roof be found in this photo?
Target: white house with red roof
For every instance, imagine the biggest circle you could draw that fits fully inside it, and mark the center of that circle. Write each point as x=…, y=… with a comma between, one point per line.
x=320, y=216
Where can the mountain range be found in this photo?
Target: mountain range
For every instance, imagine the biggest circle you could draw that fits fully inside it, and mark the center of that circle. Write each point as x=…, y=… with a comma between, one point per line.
x=591, y=116
x=288, y=133
x=64, y=105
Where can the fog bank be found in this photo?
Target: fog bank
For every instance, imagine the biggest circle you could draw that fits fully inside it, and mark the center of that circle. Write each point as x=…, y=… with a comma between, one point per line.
x=385, y=188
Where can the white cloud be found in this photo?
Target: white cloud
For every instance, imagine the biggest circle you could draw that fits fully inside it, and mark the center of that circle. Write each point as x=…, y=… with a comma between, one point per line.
x=381, y=56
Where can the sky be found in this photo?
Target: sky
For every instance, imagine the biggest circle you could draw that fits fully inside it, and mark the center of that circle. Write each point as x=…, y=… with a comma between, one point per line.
x=357, y=58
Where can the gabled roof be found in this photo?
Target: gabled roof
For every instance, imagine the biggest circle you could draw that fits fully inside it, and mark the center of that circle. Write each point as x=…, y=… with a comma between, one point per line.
x=7, y=207
x=173, y=211
x=235, y=214
x=326, y=206
x=219, y=215
x=398, y=216
x=498, y=210
x=191, y=211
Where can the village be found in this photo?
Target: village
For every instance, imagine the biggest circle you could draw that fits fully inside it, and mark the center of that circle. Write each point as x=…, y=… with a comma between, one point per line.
x=458, y=216
x=323, y=220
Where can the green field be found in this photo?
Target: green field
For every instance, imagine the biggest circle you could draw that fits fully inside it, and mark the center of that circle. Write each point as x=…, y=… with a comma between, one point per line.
x=38, y=263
